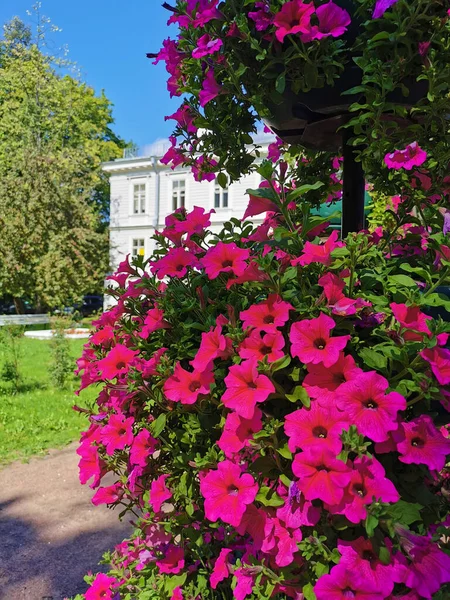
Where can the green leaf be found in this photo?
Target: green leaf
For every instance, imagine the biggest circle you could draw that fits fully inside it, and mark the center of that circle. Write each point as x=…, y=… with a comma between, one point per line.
x=280, y=84
x=308, y=592
x=300, y=394
x=385, y=555
x=269, y=497
x=373, y=359
x=222, y=180
x=405, y=512
x=281, y=363
x=173, y=582
x=285, y=452
x=158, y=425
x=402, y=280
x=302, y=189
x=285, y=480
x=371, y=524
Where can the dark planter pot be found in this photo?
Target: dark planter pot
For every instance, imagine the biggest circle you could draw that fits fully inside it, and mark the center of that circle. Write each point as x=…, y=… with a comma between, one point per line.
x=313, y=118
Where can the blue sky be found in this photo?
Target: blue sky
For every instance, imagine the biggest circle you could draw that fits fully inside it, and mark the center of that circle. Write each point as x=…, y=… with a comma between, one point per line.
x=109, y=39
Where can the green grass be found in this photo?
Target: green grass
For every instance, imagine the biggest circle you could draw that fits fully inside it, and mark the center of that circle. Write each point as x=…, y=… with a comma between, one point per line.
x=40, y=416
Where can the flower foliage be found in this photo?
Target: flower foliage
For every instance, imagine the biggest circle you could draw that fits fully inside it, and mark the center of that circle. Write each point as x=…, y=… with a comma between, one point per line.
x=298, y=47
x=274, y=409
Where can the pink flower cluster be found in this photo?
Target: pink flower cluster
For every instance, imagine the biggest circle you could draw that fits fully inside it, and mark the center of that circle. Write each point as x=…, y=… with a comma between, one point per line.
x=299, y=433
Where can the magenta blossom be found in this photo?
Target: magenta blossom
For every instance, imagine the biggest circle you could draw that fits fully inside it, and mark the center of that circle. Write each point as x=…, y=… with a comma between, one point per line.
x=294, y=17
x=333, y=21
x=411, y=156
x=144, y=445
x=323, y=382
x=221, y=569
x=227, y=492
x=174, y=264
x=262, y=17
x=225, y=258
x=321, y=476
x=173, y=560
x=159, y=493
x=315, y=429
x=117, y=361
x=206, y=46
x=203, y=169
x=186, y=386
x=238, y=432
x=419, y=442
x=213, y=345
x=439, y=360
x=118, y=433
x=108, y=495
x=343, y=584
x=314, y=253
x=210, y=89
x=381, y=7
x=184, y=116
x=245, y=388
x=267, y=316
x=101, y=588
x=366, y=404
x=259, y=345
x=312, y=343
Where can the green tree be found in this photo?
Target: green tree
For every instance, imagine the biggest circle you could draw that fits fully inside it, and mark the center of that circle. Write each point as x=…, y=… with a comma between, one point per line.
x=54, y=134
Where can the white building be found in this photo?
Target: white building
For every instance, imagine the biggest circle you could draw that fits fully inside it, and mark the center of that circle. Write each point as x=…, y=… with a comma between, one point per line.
x=144, y=192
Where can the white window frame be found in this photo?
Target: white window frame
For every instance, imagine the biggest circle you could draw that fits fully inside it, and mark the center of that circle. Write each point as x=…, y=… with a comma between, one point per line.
x=138, y=198
x=137, y=244
x=219, y=195
x=178, y=197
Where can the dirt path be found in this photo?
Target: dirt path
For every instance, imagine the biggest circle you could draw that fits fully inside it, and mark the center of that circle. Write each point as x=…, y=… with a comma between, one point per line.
x=50, y=533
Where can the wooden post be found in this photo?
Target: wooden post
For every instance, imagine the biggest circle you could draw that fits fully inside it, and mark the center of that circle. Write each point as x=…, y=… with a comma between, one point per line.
x=353, y=192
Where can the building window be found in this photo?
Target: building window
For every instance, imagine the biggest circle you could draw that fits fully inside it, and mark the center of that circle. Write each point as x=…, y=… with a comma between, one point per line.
x=138, y=247
x=178, y=193
x=139, y=198
x=220, y=196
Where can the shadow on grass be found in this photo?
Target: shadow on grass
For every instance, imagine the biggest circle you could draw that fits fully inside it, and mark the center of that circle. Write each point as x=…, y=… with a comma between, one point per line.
x=33, y=386
x=33, y=568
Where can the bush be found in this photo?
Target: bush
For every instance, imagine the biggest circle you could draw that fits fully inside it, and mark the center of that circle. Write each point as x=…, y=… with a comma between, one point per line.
x=61, y=366
x=10, y=336
x=272, y=408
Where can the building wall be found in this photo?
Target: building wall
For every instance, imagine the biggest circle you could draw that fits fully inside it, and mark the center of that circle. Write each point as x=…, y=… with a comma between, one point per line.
x=125, y=226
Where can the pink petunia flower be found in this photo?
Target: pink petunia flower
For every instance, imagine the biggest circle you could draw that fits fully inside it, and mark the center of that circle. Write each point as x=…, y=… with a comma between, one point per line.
x=172, y=561
x=411, y=319
x=342, y=584
x=262, y=17
x=257, y=205
x=245, y=388
x=411, y=156
x=118, y=433
x=225, y=258
x=185, y=386
x=312, y=343
x=336, y=300
x=204, y=168
x=184, y=116
x=227, y=492
x=381, y=7
x=237, y=432
x=177, y=594
x=159, y=493
x=294, y=17
x=333, y=21
x=280, y=542
x=244, y=586
x=153, y=321
x=108, y=495
x=439, y=360
x=297, y=511
x=196, y=221
x=210, y=88
x=90, y=464
x=430, y=567
x=321, y=476
x=117, y=361
x=103, y=337
x=213, y=345
x=221, y=569
x=322, y=383
x=315, y=429
x=368, y=482
x=268, y=315
x=359, y=556
x=206, y=45
x=143, y=446
x=366, y=404
x=259, y=344
x=174, y=264
x=313, y=253
x=420, y=443
x=101, y=588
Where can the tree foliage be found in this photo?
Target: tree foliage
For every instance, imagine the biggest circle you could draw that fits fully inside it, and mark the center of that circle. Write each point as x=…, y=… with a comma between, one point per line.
x=54, y=134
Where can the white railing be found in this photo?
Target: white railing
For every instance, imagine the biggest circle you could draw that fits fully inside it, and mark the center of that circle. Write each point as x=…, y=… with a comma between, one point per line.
x=24, y=320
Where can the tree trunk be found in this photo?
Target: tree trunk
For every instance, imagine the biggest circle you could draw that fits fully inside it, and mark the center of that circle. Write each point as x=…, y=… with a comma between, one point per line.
x=20, y=307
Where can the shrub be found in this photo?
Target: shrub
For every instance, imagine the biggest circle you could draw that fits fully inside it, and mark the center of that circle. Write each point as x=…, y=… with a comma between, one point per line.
x=61, y=366
x=10, y=336
x=272, y=407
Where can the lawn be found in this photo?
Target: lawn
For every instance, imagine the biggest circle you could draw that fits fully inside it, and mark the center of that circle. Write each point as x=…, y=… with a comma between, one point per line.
x=40, y=416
